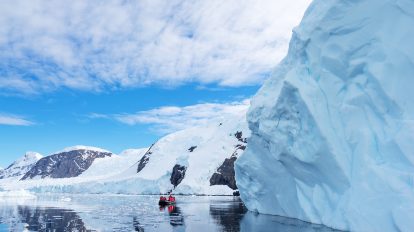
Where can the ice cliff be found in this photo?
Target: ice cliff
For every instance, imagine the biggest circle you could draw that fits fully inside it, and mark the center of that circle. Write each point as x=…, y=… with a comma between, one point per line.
x=332, y=130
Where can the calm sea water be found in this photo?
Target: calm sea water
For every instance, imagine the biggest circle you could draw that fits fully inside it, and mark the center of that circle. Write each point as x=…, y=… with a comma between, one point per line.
x=138, y=213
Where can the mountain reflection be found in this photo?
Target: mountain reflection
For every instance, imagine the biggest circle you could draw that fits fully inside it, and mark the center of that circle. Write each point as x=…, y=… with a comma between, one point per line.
x=228, y=215
x=42, y=219
x=139, y=213
x=137, y=226
x=176, y=217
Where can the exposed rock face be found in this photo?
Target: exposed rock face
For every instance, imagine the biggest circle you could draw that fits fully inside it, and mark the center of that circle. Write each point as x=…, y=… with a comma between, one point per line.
x=178, y=174
x=192, y=148
x=65, y=164
x=239, y=136
x=225, y=174
x=145, y=159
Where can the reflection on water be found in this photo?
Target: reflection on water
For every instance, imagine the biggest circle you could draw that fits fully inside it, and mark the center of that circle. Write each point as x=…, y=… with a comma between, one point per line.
x=139, y=213
x=50, y=219
x=22, y=218
x=137, y=226
x=176, y=217
x=228, y=214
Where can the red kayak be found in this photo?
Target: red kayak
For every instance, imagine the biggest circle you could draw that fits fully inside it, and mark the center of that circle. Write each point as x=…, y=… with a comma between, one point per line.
x=167, y=201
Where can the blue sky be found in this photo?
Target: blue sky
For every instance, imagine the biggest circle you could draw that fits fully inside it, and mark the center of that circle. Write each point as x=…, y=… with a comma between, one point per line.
x=120, y=74
x=63, y=118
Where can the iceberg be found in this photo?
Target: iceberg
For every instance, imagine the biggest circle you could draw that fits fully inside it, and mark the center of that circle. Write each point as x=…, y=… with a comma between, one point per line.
x=332, y=130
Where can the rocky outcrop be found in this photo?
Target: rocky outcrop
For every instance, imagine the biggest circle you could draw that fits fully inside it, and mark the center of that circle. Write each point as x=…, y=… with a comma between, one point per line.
x=65, y=164
x=177, y=175
x=225, y=174
x=239, y=136
x=145, y=159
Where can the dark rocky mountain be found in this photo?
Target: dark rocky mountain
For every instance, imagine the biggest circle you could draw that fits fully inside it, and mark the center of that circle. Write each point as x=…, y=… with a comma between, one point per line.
x=65, y=164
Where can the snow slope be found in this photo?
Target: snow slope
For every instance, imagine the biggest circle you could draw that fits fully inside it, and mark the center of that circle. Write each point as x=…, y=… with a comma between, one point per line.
x=18, y=168
x=198, y=151
x=82, y=147
x=184, y=161
x=211, y=144
x=114, y=165
x=333, y=130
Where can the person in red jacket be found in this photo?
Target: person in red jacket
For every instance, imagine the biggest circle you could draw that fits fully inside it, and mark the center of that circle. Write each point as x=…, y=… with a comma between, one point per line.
x=171, y=198
x=162, y=198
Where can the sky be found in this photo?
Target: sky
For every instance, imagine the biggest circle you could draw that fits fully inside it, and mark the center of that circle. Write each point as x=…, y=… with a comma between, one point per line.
x=120, y=74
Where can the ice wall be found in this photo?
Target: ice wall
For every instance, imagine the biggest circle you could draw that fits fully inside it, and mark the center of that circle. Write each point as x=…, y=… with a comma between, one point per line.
x=332, y=130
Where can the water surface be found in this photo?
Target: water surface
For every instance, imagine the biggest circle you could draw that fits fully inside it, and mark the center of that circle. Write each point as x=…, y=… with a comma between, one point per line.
x=138, y=213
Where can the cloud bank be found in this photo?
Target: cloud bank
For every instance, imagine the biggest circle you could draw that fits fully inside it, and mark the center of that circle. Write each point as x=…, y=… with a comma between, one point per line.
x=168, y=119
x=100, y=45
x=13, y=120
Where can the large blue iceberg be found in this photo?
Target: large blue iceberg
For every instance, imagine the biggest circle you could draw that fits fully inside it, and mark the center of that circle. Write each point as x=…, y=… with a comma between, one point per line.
x=333, y=128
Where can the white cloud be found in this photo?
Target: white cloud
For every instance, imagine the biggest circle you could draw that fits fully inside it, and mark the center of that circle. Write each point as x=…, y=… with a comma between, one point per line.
x=13, y=120
x=168, y=119
x=94, y=45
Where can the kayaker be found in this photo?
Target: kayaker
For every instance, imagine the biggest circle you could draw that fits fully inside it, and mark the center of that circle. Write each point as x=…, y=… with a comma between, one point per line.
x=171, y=198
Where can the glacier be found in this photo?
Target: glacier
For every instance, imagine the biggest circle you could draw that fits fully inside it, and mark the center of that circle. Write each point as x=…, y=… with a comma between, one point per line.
x=332, y=129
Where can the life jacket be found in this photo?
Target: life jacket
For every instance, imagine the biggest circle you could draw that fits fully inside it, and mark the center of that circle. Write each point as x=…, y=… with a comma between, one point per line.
x=162, y=198
x=171, y=198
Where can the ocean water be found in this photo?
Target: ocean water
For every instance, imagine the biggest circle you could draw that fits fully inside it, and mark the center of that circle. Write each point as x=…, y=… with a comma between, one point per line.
x=139, y=213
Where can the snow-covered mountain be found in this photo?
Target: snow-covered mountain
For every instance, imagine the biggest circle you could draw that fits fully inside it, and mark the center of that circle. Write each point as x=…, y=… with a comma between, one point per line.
x=71, y=166
x=198, y=160
x=70, y=162
x=21, y=166
x=333, y=129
